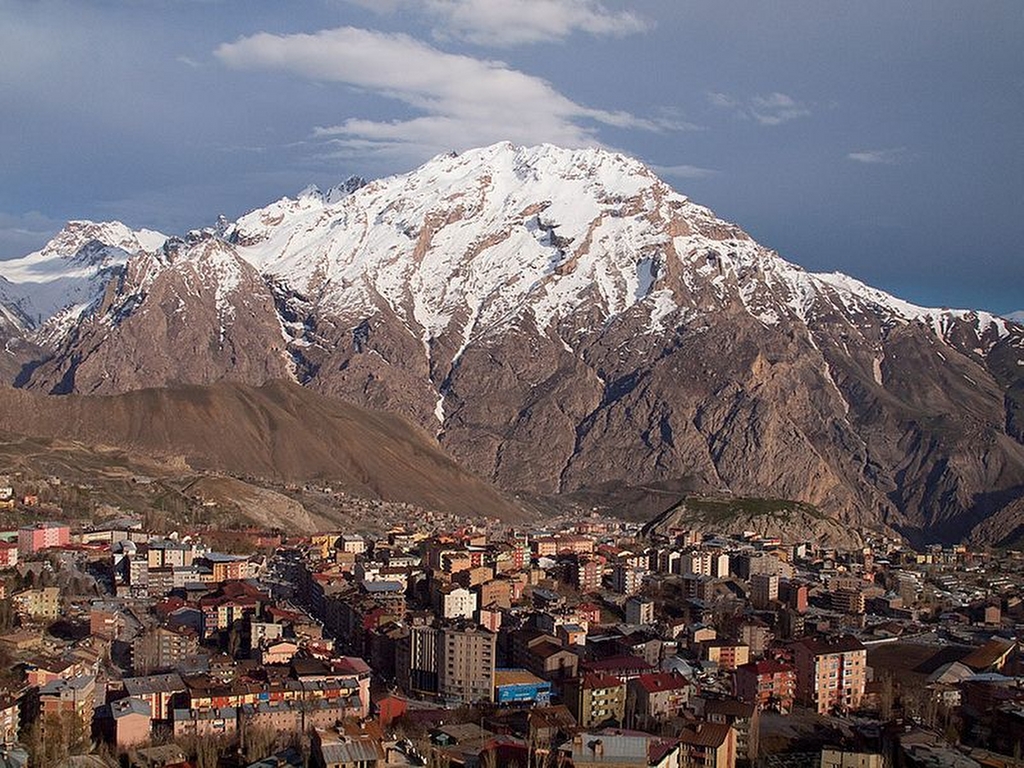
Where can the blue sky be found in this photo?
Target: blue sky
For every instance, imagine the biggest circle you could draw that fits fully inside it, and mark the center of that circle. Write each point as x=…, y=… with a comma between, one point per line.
x=881, y=138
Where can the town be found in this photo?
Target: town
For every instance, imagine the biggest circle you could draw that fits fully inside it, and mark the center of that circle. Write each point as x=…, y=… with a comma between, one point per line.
x=579, y=640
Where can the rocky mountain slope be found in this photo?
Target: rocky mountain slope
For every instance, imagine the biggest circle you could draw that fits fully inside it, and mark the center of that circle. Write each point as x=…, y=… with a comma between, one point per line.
x=561, y=320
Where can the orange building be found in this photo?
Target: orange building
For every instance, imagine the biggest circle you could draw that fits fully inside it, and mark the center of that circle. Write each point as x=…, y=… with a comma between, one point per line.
x=727, y=654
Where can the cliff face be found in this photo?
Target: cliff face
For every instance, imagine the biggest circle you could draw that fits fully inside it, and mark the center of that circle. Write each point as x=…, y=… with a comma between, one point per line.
x=191, y=313
x=563, y=320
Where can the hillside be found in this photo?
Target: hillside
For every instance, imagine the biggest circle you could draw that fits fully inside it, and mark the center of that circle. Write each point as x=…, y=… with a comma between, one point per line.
x=279, y=431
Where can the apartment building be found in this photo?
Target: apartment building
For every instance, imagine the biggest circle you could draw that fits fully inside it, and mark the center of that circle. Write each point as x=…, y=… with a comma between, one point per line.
x=595, y=699
x=830, y=674
x=467, y=655
x=767, y=684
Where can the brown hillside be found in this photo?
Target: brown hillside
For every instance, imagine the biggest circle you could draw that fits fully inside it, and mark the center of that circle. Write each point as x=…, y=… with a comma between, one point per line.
x=280, y=431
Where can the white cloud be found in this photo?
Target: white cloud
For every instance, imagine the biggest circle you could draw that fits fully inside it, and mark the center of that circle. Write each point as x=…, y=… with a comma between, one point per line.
x=684, y=171
x=893, y=156
x=722, y=100
x=774, y=109
x=1017, y=317
x=777, y=108
x=505, y=23
x=462, y=101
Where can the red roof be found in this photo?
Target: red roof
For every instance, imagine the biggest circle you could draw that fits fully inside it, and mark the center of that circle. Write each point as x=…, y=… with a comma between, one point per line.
x=662, y=681
x=705, y=735
x=593, y=680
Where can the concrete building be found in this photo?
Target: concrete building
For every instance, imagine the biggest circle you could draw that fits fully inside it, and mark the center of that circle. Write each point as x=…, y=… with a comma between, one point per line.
x=830, y=674
x=41, y=604
x=129, y=722
x=657, y=696
x=167, y=553
x=8, y=554
x=743, y=718
x=707, y=745
x=627, y=579
x=65, y=703
x=158, y=691
x=467, y=655
x=10, y=718
x=697, y=562
x=639, y=610
x=352, y=542
x=767, y=684
x=756, y=635
x=586, y=575
x=456, y=602
x=416, y=659
x=764, y=589
x=595, y=699
x=850, y=601
x=543, y=655
x=837, y=758
x=614, y=749
x=162, y=648
x=727, y=654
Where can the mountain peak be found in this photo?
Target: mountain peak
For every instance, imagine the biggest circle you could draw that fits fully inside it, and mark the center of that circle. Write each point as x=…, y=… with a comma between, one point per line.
x=562, y=318
x=77, y=233
x=333, y=195
x=51, y=288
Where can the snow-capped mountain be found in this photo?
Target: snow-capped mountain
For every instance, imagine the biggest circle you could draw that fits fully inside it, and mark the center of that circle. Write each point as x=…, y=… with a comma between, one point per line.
x=48, y=290
x=563, y=319
x=495, y=232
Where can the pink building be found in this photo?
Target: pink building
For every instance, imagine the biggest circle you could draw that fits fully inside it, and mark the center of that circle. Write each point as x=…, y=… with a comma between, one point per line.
x=32, y=538
x=830, y=674
x=131, y=723
x=767, y=684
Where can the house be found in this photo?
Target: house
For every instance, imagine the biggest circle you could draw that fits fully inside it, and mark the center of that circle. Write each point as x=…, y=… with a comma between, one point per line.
x=129, y=722
x=659, y=695
x=745, y=721
x=595, y=699
x=707, y=745
x=614, y=748
x=767, y=684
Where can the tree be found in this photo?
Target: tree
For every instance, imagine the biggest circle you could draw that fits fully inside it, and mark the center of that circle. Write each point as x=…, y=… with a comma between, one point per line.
x=7, y=615
x=886, y=698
